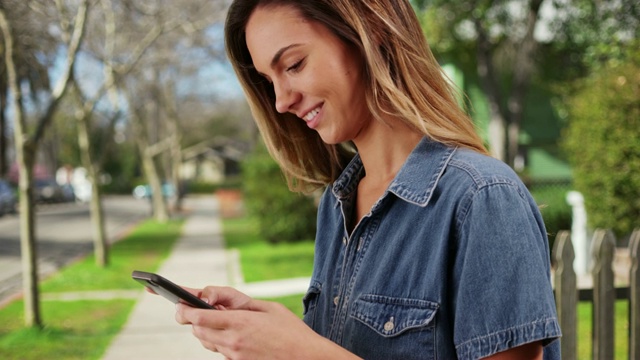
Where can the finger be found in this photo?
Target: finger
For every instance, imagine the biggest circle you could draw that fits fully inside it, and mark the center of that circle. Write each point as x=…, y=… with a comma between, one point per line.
x=180, y=319
x=150, y=290
x=211, y=319
x=209, y=338
x=194, y=291
x=206, y=337
x=226, y=297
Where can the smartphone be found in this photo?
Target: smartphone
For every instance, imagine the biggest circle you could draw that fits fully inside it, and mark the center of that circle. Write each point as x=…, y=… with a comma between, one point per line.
x=168, y=289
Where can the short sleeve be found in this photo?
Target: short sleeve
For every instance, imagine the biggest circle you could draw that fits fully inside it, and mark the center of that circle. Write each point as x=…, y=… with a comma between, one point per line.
x=503, y=296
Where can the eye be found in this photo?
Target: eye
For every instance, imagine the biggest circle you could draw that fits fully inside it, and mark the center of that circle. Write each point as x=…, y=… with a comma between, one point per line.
x=295, y=67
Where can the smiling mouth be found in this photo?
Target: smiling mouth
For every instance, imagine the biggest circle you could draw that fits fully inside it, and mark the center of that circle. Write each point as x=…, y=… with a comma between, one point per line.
x=311, y=114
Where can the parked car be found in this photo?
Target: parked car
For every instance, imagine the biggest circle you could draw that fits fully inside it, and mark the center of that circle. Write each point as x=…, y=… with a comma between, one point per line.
x=8, y=198
x=144, y=191
x=49, y=191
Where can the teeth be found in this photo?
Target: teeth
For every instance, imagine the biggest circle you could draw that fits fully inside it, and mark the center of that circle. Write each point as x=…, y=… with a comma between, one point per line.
x=311, y=114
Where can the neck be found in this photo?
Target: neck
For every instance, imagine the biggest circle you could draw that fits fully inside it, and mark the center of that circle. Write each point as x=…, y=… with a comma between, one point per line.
x=384, y=148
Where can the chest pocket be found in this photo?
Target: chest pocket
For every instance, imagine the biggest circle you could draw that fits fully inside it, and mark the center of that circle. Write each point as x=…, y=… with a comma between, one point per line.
x=393, y=328
x=392, y=316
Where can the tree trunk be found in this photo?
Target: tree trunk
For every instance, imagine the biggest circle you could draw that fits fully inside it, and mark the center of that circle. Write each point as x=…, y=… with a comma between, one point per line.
x=147, y=155
x=176, y=163
x=158, y=204
x=28, y=248
x=525, y=61
x=175, y=150
x=4, y=161
x=100, y=246
x=488, y=80
x=24, y=155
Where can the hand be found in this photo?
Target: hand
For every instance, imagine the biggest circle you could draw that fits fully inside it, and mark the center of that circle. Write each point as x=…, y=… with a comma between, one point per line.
x=245, y=328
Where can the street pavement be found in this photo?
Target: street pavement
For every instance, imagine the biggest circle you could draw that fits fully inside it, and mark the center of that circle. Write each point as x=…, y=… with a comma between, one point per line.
x=64, y=234
x=197, y=260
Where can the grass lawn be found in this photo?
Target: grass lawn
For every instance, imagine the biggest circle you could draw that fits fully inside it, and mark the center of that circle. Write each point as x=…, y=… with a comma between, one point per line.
x=74, y=330
x=262, y=261
x=83, y=329
x=621, y=330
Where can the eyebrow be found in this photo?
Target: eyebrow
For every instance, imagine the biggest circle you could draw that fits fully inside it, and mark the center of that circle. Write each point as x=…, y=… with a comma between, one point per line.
x=278, y=55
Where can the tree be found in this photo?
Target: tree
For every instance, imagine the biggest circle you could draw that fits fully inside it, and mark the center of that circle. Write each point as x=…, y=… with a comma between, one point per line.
x=495, y=41
x=127, y=38
x=27, y=146
x=165, y=80
x=28, y=53
x=596, y=46
x=589, y=34
x=603, y=141
x=501, y=35
x=87, y=109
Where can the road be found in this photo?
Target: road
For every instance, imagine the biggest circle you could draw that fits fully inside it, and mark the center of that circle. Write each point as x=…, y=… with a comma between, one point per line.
x=63, y=235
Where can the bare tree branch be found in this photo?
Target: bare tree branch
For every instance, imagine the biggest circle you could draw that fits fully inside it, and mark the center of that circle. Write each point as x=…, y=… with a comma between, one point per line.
x=62, y=85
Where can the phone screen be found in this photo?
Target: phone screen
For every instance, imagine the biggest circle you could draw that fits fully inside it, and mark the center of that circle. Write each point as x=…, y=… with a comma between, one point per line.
x=168, y=289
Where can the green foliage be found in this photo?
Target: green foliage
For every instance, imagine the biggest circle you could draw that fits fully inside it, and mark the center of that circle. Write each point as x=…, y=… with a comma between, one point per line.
x=121, y=162
x=603, y=142
x=592, y=33
x=201, y=187
x=282, y=215
x=207, y=187
x=553, y=207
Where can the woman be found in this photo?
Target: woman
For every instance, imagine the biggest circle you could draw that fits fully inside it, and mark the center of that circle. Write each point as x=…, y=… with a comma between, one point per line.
x=426, y=247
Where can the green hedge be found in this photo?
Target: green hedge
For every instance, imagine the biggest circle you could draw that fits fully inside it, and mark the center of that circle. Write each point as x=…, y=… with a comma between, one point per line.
x=554, y=208
x=207, y=187
x=603, y=141
x=283, y=216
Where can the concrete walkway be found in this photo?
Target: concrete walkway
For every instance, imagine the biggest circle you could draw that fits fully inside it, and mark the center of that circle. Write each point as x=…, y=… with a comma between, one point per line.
x=197, y=260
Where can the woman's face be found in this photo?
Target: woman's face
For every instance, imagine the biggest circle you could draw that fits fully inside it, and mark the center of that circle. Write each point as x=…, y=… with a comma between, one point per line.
x=315, y=75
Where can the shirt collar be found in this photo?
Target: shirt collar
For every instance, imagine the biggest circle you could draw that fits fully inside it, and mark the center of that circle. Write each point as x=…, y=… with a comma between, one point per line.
x=416, y=180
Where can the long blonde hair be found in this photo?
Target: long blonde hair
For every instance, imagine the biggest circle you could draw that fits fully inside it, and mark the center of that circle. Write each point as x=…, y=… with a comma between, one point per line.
x=404, y=80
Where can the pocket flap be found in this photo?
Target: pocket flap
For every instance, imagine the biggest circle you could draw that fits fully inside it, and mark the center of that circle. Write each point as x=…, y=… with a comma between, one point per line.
x=390, y=316
x=309, y=299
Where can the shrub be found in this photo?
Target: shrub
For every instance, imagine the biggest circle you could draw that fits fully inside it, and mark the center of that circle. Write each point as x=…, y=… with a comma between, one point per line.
x=282, y=215
x=208, y=187
x=556, y=212
x=603, y=143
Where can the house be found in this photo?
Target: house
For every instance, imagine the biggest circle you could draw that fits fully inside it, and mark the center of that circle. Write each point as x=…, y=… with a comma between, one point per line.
x=214, y=160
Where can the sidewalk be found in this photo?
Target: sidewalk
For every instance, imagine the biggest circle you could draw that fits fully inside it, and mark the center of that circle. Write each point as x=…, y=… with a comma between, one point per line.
x=198, y=259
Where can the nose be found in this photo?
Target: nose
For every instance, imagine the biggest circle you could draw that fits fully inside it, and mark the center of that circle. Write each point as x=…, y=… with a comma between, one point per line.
x=286, y=96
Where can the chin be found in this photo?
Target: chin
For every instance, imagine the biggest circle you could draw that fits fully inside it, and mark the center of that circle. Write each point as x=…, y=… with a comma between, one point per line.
x=330, y=140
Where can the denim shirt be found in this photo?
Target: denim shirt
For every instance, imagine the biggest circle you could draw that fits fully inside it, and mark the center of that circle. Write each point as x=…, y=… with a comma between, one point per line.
x=451, y=262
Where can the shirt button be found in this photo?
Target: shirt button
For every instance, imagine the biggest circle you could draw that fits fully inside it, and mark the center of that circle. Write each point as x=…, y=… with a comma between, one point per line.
x=344, y=240
x=336, y=300
x=388, y=326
